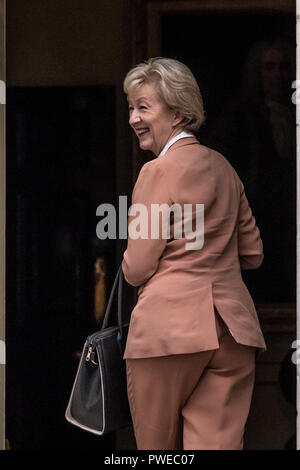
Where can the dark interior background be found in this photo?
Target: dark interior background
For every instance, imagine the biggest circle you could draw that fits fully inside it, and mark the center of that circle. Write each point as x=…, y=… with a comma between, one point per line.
x=215, y=47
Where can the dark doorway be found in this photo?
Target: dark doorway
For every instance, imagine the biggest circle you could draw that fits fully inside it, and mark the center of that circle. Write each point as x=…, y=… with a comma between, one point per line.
x=60, y=167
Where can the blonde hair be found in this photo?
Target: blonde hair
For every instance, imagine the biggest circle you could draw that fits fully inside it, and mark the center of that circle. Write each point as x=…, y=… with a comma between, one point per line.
x=176, y=85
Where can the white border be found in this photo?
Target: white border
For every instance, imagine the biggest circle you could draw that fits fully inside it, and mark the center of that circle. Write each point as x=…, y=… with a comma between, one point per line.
x=298, y=219
x=2, y=221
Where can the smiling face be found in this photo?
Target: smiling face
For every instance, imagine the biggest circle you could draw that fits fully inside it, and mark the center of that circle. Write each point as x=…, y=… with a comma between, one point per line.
x=152, y=121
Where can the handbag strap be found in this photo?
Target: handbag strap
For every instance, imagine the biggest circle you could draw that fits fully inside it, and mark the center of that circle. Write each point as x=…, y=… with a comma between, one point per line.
x=118, y=281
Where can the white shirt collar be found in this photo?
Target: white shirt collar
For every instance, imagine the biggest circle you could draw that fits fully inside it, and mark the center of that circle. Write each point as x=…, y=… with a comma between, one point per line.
x=182, y=135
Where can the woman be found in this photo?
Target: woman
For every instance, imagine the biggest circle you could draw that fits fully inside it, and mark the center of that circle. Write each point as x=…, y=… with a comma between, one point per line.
x=194, y=332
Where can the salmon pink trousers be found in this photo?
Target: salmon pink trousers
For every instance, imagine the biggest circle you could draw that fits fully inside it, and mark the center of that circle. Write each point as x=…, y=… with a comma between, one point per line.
x=197, y=401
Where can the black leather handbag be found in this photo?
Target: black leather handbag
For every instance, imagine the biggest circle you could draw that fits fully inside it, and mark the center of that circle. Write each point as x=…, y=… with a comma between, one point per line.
x=98, y=402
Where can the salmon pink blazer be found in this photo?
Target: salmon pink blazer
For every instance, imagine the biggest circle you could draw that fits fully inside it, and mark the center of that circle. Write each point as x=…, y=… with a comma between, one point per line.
x=179, y=288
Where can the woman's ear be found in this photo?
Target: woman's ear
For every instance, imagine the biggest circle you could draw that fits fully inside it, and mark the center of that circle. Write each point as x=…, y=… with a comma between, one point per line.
x=177, y=118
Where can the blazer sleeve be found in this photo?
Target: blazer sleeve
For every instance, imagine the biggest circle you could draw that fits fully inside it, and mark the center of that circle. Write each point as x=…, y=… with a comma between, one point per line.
x=250, y=246
x=141, y=258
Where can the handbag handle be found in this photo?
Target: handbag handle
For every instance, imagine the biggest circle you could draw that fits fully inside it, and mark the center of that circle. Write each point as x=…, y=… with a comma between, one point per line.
x=118, y=280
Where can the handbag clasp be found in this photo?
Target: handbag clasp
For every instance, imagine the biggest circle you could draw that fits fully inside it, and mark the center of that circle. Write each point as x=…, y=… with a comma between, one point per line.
x=88, y=356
